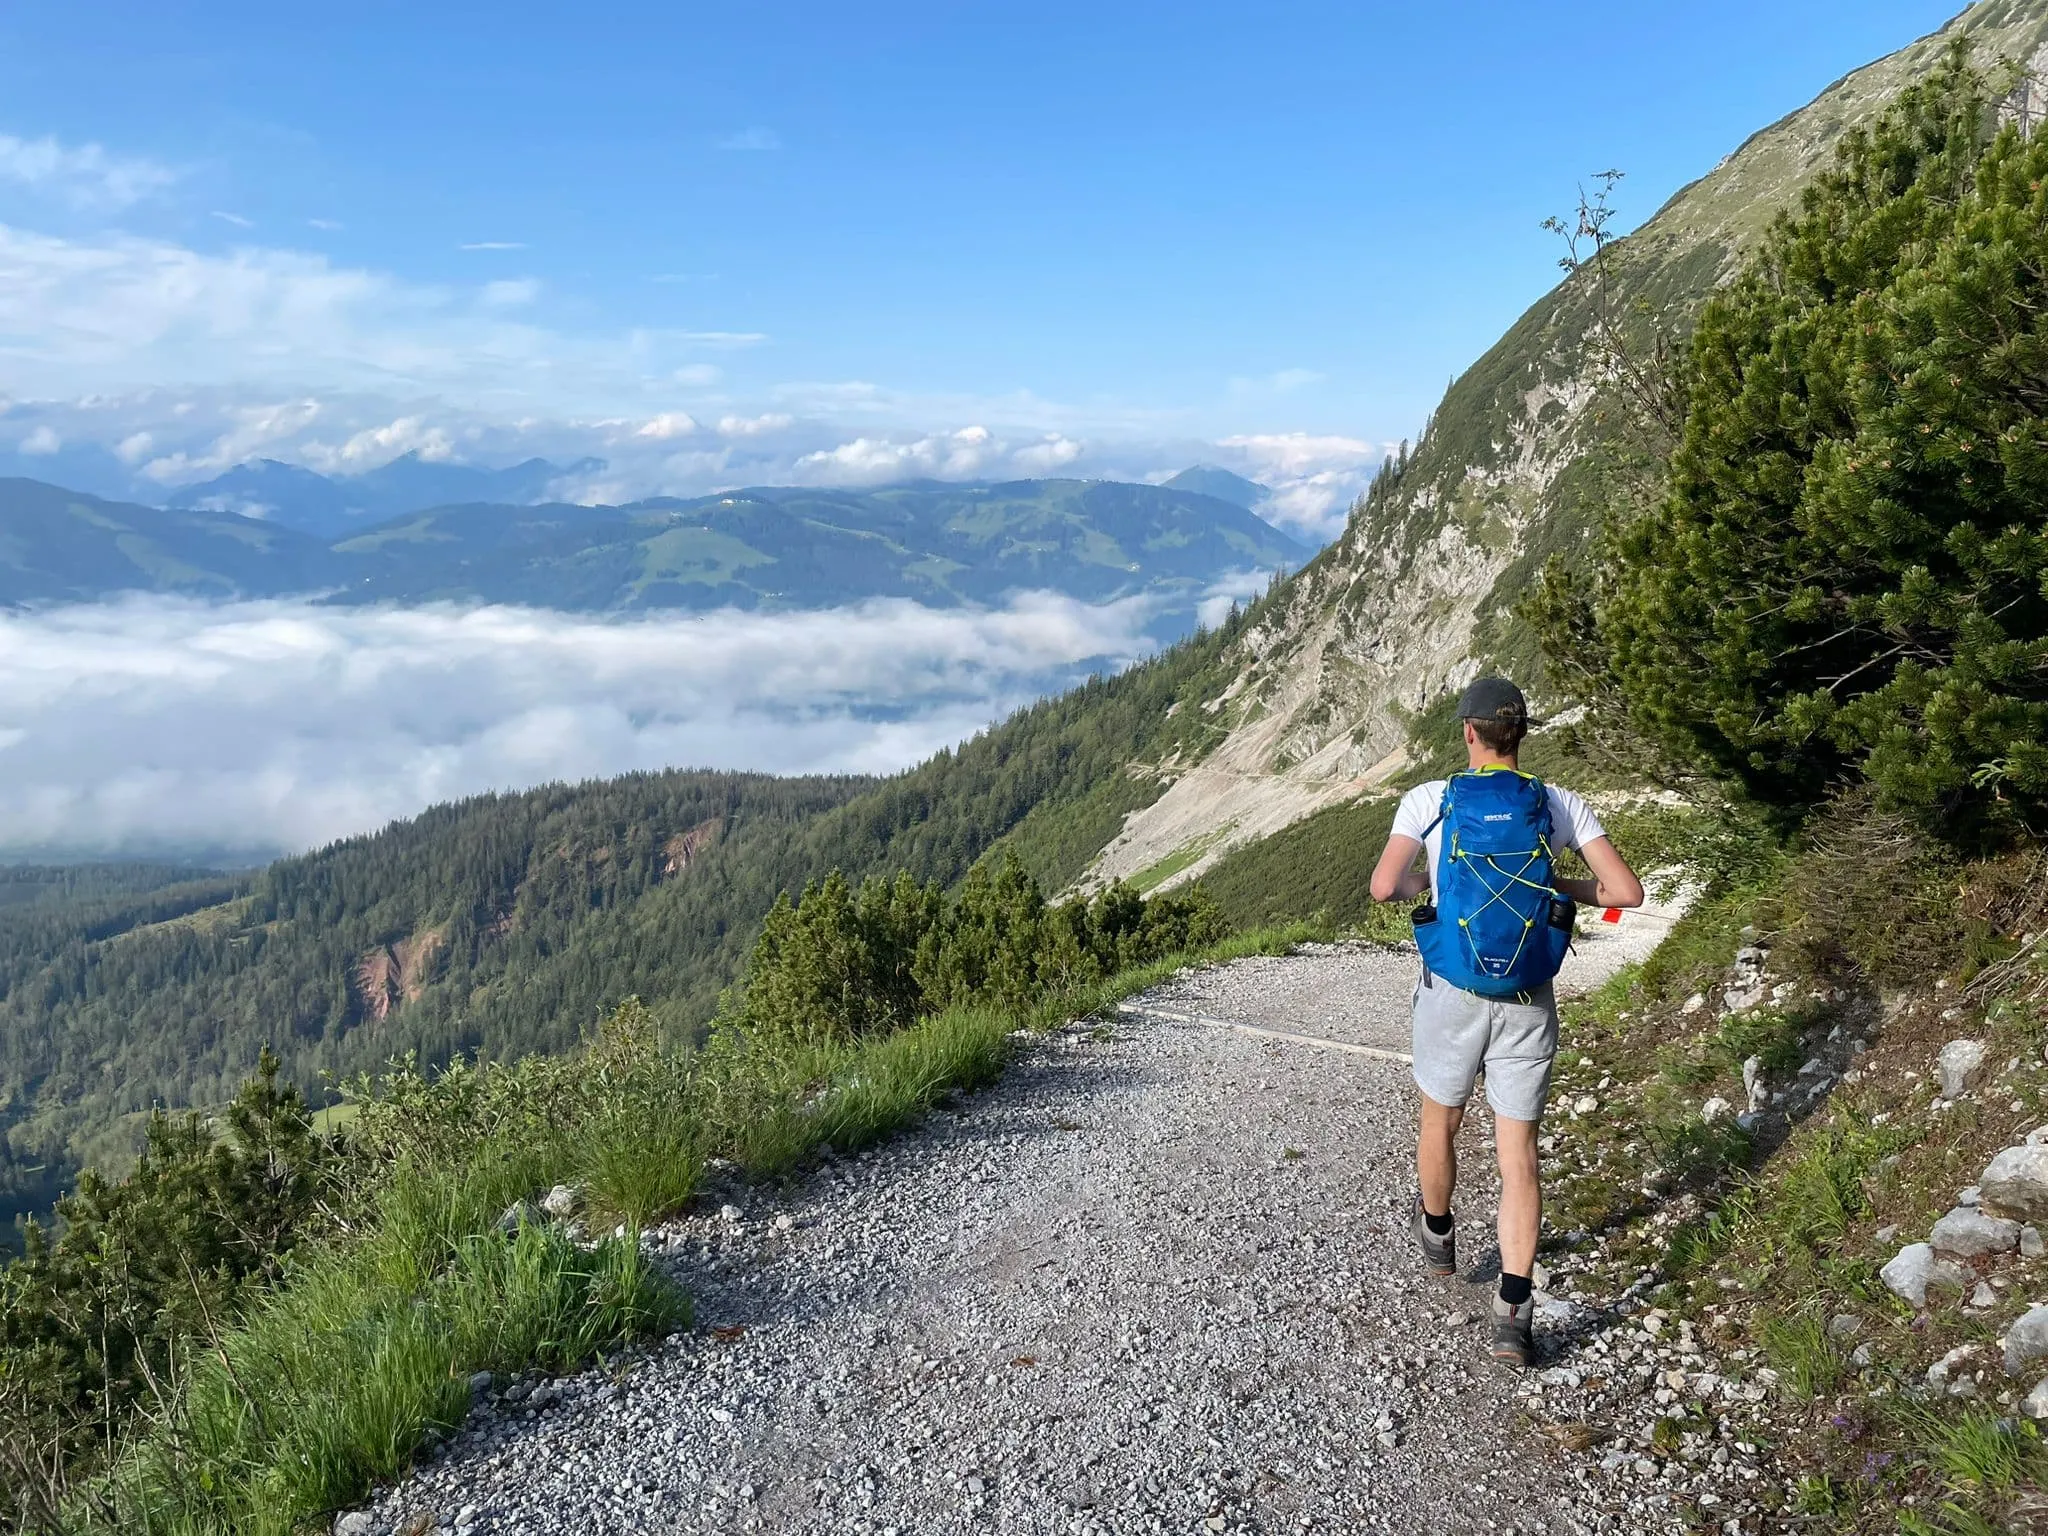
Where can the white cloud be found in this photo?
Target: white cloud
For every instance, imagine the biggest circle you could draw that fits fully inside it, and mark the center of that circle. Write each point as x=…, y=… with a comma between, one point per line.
x=84, y=175
x=42, y=440
x=754, y=426
x=1314, y=478
x=155, y=722
x=751, y=139
x=329, y=224
x=1236, y=589
x=668, y=424
x=868, y=460
x=380, y=445
x=245, y=433
x=96, y=316
x=233, y=218
x=134, y=448
x=1052, y=453
x=698, y=375
x=493, y=245
x=722, y=339
x=510, y=293
x=1290, y=453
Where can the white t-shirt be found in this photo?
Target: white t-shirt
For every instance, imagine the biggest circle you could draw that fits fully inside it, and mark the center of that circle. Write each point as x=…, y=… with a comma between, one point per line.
x=1572, y=822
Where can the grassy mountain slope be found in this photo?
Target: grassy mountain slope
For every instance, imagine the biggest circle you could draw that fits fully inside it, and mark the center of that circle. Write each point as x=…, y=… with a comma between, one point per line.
x=64, y=546
x=764, y=548
x=778, y=548
x=1416, y=595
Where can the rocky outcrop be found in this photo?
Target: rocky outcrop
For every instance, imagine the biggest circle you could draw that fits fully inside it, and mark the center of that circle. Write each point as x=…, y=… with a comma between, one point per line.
x=682, y=850
x=391, y=975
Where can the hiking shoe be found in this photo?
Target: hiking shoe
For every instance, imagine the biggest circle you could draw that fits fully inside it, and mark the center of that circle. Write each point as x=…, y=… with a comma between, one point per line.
x=1514, y=1332
x=1439, y=1253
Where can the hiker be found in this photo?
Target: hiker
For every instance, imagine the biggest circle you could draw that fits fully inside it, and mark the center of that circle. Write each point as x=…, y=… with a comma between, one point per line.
x=1495, y=936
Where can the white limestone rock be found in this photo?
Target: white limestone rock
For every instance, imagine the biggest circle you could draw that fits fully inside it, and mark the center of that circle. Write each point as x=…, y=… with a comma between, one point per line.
x=2026, y=1340
x=1967, y=1233
x=1960, y=1063
x=1916, y=1269
x=2015, y=1184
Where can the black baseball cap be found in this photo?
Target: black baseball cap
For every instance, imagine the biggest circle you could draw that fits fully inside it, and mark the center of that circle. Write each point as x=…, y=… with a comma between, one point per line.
x=1493, y=698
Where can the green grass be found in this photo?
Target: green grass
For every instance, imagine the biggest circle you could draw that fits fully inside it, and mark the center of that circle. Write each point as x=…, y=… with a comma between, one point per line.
x=338, y=1378
x=1799, y=1349
x=1149, y=879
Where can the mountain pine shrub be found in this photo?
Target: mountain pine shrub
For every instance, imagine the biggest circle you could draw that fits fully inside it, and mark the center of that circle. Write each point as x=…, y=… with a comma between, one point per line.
x=840, y=963
x=1845, y=577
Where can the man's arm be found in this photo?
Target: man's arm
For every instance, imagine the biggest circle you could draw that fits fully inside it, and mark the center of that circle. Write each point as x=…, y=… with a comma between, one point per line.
x=1397, y=878
x=1613, y=884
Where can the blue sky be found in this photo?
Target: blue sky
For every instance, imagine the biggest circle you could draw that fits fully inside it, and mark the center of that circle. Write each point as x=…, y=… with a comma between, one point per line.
x=824, y=241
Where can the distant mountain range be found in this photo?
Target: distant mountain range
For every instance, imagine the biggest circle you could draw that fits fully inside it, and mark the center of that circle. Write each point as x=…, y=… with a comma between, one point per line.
x=1208, y=480
x=765, y=548
x=328, y=505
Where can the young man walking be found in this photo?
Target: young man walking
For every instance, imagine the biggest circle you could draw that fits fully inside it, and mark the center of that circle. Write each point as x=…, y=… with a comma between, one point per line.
x=1491, y=944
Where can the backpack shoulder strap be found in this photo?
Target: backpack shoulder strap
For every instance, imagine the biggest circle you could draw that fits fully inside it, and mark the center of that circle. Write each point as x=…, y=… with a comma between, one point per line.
x=1443, y=809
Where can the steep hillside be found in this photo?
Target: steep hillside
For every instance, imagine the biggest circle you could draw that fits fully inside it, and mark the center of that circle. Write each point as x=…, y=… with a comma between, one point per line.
x=1417, y=593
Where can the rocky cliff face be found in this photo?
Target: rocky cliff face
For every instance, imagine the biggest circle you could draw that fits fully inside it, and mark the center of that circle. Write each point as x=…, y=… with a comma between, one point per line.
x=1417, y=594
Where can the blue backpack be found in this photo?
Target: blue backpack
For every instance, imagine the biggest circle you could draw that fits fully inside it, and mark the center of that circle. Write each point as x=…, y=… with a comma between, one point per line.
x=1498, y=927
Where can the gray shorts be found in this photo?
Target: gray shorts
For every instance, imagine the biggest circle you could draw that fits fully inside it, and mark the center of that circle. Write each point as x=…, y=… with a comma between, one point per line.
x=1513, y=1040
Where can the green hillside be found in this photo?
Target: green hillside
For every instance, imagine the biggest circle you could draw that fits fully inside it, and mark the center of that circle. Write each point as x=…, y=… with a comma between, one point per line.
x=781, y=549
x=64, y=546
x=1208, y=480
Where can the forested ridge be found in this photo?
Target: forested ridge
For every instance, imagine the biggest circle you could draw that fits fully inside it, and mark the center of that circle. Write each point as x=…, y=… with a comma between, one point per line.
x=507, y=923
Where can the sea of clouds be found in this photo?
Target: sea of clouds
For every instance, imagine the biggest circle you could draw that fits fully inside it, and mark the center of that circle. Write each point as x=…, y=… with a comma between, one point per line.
x=171, y=727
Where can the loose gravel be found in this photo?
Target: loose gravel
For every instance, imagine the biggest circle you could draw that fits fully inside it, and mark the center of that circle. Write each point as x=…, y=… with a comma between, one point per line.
x=1158, y=1279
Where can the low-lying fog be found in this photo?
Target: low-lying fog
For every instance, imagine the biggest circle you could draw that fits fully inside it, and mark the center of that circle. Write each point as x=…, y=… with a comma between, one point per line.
x=154, y=726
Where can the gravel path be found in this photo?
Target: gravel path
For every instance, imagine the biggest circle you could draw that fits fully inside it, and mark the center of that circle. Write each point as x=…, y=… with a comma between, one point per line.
x=1158, y=1279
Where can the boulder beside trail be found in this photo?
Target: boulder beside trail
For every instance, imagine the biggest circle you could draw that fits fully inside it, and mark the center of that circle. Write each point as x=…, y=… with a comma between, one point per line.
x=2026, y=1340
x=1916, y=1269
x=1967, y=1233
x=2015, y=1184
x=2036, y=1404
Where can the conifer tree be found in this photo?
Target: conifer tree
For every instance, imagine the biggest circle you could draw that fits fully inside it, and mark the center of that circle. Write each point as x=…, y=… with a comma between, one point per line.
x=1846, y=575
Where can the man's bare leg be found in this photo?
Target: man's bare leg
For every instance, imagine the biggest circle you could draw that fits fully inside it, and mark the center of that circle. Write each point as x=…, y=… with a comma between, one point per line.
x=1521, y=1194
x=1436, y=1154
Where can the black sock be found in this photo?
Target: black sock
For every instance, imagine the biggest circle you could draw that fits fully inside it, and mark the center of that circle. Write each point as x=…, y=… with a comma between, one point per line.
x=1515, y=1289
x=1440, y=1225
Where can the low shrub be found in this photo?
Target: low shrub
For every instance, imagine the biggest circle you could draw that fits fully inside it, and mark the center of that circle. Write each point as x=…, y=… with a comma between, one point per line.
x=1873, y=892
